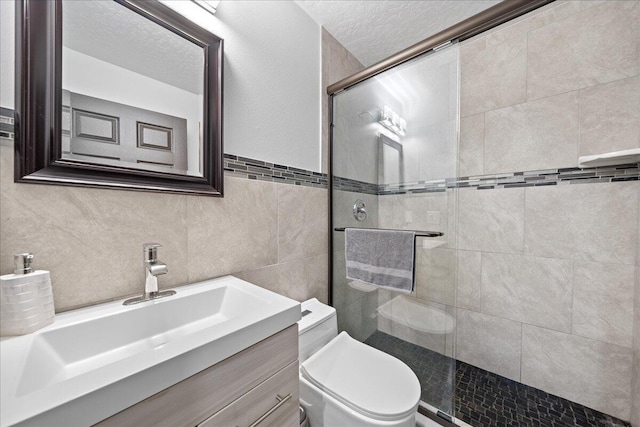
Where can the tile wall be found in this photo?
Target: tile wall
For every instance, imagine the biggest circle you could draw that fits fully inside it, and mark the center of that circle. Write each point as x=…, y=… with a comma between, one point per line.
x=635, y=377
x=270, y=228
x=91, y=239
x=547, y=274
x=337, y=63
x=540, y=259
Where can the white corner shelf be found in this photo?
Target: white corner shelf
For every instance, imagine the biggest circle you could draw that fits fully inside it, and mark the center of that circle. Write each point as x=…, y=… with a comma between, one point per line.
x=610, y=159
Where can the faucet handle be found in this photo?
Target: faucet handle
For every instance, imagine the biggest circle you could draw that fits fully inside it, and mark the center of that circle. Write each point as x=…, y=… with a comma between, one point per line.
x=151, y=251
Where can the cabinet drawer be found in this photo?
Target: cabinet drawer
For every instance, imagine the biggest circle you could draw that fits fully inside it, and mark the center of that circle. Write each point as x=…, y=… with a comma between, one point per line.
x=191, y=401
x=265, y=405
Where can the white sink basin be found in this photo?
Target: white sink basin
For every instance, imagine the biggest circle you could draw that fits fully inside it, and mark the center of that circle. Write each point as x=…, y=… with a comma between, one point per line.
x=93, y=362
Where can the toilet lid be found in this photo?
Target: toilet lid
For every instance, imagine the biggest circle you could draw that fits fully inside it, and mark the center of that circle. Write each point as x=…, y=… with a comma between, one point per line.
x=365, y=379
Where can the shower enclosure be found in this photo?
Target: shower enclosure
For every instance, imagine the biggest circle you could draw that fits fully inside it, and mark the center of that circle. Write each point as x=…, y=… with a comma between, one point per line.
x=394, y=159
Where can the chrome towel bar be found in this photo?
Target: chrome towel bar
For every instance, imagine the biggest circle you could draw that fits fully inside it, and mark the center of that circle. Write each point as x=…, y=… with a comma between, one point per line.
x=418, y=233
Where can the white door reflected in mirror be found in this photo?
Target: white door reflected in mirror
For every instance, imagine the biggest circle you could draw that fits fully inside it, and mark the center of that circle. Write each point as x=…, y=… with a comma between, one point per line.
x=139, y=107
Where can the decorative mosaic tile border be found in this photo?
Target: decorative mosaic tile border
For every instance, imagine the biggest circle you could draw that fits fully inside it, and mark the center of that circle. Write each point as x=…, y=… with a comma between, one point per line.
x=539, y=178
x=244, y=167
x=346, y=184
x=7, y=124
x=264, y=171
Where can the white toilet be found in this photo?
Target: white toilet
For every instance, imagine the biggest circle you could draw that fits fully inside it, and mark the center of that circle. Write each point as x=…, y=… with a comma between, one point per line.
x=345, y=383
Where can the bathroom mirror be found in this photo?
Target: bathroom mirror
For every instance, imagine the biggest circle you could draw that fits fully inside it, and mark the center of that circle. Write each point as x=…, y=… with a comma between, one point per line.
x=120, y=94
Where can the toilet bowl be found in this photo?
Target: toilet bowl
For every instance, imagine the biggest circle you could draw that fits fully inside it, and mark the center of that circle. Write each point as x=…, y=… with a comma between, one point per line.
x=344, y=382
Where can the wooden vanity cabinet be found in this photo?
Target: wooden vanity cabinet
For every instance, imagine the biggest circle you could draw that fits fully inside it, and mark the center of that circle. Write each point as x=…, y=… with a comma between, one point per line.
x=251, y=386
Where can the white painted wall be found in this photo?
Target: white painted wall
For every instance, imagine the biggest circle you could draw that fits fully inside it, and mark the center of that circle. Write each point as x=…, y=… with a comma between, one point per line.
x=271, y=77
x=7, y=58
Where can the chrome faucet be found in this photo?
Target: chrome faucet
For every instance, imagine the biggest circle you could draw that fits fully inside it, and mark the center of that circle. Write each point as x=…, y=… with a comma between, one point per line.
x=152, y=269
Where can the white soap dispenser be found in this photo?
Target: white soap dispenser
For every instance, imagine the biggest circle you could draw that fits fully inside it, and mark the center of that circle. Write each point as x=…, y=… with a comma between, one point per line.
x=26, y=298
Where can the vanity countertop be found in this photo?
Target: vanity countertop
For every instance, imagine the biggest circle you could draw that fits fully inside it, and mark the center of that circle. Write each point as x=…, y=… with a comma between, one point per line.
x=94, y=362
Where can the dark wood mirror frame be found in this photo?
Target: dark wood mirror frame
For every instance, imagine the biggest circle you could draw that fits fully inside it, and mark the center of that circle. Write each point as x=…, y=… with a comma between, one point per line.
x=38, y=106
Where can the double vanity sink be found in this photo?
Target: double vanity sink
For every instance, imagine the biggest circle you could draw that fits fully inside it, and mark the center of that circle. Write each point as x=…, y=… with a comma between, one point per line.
x=94, y=362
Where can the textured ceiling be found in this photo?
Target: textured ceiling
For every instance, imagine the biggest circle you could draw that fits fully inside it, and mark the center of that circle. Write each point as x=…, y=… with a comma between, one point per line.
x=375, y=29
x=103, y=29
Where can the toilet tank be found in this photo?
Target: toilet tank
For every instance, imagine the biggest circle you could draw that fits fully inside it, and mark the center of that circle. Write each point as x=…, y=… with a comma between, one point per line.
x=316, y=328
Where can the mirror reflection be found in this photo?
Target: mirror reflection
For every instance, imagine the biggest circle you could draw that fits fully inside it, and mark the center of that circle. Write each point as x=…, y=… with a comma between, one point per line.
x=139, y=107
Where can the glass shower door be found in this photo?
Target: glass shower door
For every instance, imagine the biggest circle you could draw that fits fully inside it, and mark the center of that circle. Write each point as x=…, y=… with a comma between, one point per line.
x=394, y=152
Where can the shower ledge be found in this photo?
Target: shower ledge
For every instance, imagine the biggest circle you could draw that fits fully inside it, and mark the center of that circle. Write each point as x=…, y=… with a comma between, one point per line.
x=610, y=159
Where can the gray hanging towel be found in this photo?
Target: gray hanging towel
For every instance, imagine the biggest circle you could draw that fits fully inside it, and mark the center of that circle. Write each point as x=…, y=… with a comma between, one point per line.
x=384, y=258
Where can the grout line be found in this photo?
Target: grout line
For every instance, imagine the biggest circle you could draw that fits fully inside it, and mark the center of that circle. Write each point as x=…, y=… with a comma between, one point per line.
x=573, y=284
x=278, y=224
x=484, y=141
x=521, y=349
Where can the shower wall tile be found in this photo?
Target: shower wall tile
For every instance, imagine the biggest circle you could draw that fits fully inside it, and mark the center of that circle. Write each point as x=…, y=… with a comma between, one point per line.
x=635, y=381
x=420, y=211
x=303, y=221
x=436, y=275
x=471, y=157
x=531, y=290
x=542, y=134
x=598, y=45
x=391, y=211
x=469, y=276
x=436, y=149
x=358, y=318
x=595, y=222
x=299, y=280
x=492, y=75
x=428, y=212
x=491, y=221
x=250, y=208
x=400, y=329
x=589, y=372
x=489, y=342
x=602, y=309
x=610, y=117
x=337, y=63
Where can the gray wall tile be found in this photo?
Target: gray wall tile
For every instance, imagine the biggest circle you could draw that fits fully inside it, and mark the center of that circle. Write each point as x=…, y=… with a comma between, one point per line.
x=602, y=309
x=471, y=159
x=236, y=233
x=542, y=134
x=337, y=63
x=427, y=211
x=531, y=290
x=610, y=117
x=492, y=75
x=399, y=327
x=90, y=239
x=595, y=222
x=598, y=45
x=436, y=275
x=303, y=221
x=491, y=220
x=635, y=390
x=358, y=318
x=592, y=373
x=469, y=277
x=489, y=342
x=299, y=280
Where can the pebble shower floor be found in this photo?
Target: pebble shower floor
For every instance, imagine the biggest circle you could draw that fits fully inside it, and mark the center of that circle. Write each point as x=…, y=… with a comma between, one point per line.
x=485, y=399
